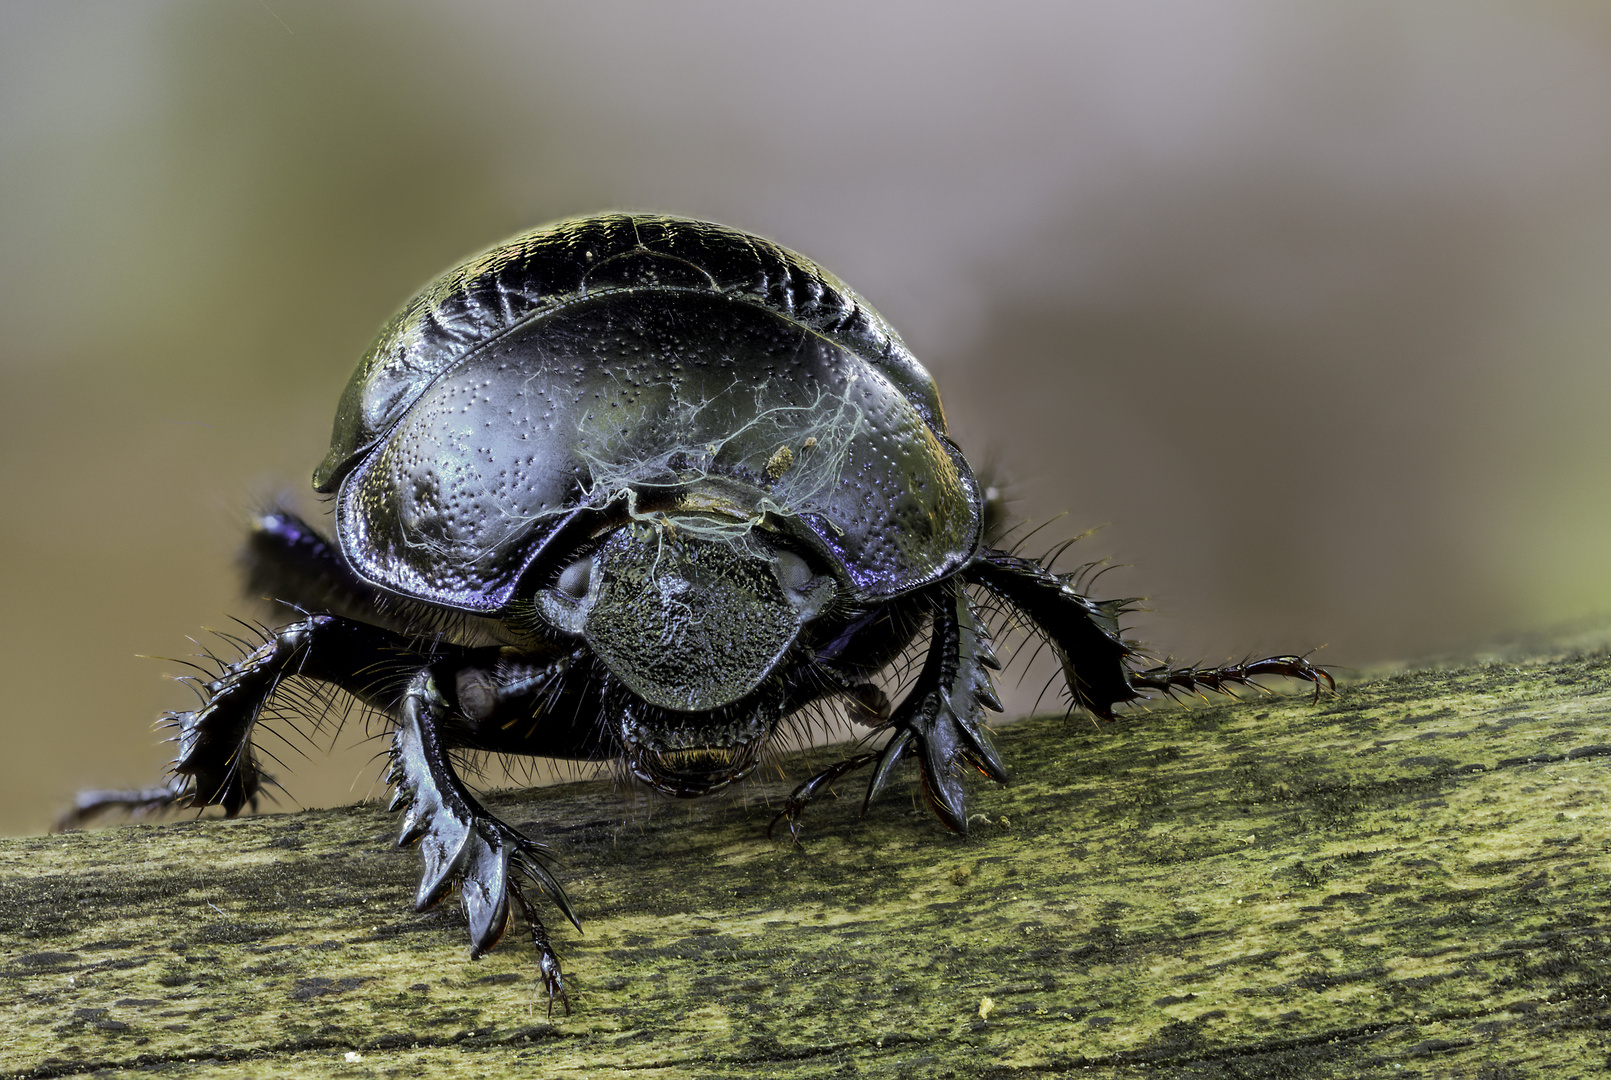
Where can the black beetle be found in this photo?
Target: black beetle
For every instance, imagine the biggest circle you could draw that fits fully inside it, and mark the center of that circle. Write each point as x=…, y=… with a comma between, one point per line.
x=640, y=487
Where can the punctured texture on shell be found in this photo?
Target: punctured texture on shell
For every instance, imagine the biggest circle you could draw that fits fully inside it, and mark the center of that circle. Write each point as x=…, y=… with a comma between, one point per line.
x=629, y=357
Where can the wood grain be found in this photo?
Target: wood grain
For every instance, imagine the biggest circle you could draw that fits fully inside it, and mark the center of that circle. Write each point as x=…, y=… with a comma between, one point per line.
x=1407, y=879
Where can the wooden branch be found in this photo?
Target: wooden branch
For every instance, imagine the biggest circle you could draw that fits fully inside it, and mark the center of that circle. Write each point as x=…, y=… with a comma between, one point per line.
x=1412, y=873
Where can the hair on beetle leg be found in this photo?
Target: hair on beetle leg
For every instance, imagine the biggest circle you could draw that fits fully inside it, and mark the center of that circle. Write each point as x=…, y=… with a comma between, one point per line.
x=710, y=510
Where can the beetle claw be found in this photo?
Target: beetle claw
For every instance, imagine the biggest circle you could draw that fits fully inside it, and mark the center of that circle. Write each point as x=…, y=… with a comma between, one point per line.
x=796, y=803
x=463, y=846
x=547, y=961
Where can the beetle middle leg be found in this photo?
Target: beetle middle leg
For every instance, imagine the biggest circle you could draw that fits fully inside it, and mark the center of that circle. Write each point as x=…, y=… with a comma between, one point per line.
x=1098, y=663
x=216, y=764
x=1084, y=633
x=1192, y=680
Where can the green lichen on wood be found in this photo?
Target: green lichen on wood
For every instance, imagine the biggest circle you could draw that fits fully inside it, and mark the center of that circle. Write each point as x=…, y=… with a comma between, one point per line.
x=1410, y=878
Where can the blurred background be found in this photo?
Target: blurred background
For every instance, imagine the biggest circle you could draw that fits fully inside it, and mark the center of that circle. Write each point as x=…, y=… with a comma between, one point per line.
x=1305, y=303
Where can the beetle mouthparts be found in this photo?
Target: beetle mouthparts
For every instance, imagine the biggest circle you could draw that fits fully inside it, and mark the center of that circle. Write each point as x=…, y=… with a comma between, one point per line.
x=688, y=772
x=704, y=757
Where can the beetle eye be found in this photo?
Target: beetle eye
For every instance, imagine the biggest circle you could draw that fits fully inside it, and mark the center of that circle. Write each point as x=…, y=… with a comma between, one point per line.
x=793, y=571
x=575, y=578
x=807, y=590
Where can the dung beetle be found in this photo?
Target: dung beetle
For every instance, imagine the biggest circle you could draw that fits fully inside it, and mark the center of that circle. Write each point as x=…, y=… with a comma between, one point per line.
x=641, y=488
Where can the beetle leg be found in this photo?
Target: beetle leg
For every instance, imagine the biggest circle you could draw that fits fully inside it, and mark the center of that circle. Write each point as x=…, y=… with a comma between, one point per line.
x=795, y=805
x=547, y=960
x=288, y=561
x=942, y=718
x=1095, y=657
x=216, y=765
x=866, y=705
x=135, y=802
x=1083, y=632
x=1169, y=680
x=461, y=843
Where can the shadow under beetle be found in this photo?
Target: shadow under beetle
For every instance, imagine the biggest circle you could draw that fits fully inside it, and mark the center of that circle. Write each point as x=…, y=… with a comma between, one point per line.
x=671, y=483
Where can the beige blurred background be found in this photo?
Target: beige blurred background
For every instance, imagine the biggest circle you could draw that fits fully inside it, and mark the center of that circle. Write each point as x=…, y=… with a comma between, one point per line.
x=1307, y=303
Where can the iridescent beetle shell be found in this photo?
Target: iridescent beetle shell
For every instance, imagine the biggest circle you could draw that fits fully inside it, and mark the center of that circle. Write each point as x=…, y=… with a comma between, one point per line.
x=673, y=362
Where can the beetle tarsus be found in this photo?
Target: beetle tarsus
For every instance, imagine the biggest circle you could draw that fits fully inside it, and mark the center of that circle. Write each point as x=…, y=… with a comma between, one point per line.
x=1221, y=679
x=139, y=802
x=547, y=960
x=801, y=796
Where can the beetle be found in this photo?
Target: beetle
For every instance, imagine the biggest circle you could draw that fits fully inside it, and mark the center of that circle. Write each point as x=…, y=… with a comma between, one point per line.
x=642, y=488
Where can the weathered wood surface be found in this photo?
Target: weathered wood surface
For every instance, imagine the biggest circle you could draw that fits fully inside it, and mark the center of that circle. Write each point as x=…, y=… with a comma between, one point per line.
x=1409, y=879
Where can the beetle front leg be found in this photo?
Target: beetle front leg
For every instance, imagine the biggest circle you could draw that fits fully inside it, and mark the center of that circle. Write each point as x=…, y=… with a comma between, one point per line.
x=460, y=842
x=801, y=796
x=941, y=720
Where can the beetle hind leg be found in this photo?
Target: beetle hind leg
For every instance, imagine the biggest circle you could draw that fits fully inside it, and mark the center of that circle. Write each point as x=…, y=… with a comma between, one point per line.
x=288, y=561
x=462, y=845
x=1171, y=681
x=1099, y=665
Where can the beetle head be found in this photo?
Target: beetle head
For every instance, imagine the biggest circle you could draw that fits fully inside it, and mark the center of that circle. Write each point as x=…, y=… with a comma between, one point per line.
x=697, y=626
